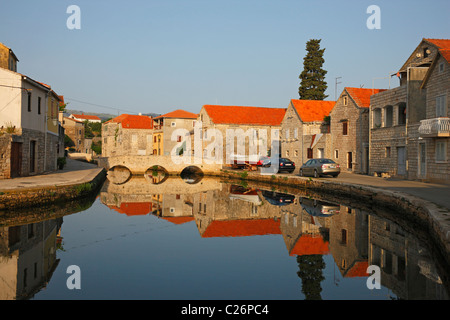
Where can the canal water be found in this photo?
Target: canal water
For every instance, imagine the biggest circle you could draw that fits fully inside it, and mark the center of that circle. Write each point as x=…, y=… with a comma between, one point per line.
x=206, y=239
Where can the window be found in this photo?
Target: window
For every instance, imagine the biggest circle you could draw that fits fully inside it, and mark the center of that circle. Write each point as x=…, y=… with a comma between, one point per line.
x=401, y=113
x=173, y=124
x=29, y=101
x=336, y=154
x=344, y=128
x=376, y=118
x=295, y=133
x=441, y=150
x=388, y=116
x=39, y=105
x=296, y=153
x=387, y=152
x=441, y=67
x=178, y=138
x=345, y=100
x=287, y=153
x=343, y=236
x=310, y=153
x=440, y=106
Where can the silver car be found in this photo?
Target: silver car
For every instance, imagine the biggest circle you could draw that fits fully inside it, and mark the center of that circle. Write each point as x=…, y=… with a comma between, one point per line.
x=318, y=167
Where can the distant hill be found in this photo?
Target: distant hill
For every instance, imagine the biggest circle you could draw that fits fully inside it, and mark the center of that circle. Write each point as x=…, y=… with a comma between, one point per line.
x=102, y=116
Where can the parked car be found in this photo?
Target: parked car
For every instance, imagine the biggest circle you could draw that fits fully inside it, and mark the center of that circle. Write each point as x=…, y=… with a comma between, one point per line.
x=318, y=167
x=319, y=208
x=284, y=164
x=277, y=198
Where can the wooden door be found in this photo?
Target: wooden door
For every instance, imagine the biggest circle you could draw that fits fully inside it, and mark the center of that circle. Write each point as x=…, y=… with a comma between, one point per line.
x=16, y=159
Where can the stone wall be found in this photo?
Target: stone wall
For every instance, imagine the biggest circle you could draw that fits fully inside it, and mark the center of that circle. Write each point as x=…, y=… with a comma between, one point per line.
x=118, y=141
x=5, y=156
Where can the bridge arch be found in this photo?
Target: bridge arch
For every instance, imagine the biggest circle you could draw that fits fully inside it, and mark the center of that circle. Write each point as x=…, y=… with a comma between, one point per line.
x=156, y=174
x=119, y=174
x=192, y=174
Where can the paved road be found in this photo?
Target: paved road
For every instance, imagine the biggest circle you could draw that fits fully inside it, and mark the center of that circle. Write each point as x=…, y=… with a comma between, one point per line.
x=74, y=172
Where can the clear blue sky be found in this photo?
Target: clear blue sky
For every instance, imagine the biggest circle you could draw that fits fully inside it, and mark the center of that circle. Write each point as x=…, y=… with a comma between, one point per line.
x=158, y=56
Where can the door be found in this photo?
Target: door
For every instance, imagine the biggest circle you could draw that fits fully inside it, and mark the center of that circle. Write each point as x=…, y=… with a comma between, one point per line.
x=422, y=160
x=349, y=160
x=401, y=160
x=16, y=159
x=321, y=153
x=32, y=156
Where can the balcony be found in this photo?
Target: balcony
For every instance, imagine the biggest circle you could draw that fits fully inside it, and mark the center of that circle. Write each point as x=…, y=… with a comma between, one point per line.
x=437, y=127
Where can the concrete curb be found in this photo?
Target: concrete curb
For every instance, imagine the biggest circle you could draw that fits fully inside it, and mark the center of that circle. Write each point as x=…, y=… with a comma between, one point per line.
x=18, y=198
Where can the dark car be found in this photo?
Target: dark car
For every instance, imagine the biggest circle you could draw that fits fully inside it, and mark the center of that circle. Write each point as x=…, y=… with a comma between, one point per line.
x=284, y=164
x=277, y=198
x=318, y=167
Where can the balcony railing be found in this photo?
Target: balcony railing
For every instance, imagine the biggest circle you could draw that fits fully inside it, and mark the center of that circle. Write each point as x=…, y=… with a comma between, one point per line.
x=437, y=127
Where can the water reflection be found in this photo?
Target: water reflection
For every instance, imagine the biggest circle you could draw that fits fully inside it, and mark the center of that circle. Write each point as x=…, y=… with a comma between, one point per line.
x=316, y=230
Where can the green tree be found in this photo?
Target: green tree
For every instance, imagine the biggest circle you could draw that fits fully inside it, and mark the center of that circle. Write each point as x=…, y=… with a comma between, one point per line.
x=312, y=84
x=310, y=271
x=68, y=142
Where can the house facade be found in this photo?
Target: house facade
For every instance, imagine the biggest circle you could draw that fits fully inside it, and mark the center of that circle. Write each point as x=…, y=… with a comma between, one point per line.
x=349, y=127
x=74, y=129
x=8, y=59
x=305, y=131
x=164, y=127
x=396, y=145
x=127, y=135
x=31, y=138
x=249, y=127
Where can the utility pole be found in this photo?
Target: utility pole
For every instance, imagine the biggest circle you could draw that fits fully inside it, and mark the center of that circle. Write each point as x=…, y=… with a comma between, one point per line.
x=335, y=87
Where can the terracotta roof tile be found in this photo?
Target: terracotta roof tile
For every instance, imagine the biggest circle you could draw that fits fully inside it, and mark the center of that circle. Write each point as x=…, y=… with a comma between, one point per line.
x=245, y=115
x=179, y=114
x=130, y=121
x=361, y=96
x=133, y=208
x=242, y=228
x=312, y=110
x=440, y=43
x=359, y=269
x=446, y=54
x=308, y=244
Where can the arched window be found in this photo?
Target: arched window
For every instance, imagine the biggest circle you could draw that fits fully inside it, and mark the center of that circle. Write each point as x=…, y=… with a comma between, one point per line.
x=376, y=118
x=388, y=116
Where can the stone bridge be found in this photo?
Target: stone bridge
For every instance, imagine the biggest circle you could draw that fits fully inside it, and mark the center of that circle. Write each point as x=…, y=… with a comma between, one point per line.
x=141, y=164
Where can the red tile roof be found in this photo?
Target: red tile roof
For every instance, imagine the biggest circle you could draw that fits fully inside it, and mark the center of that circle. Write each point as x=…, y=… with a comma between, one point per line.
x=178, y=220
x=242, y=228
x=440, y=43
x=134, y=208
x=245, y=115
x=85, y=116
x=130, y=121
x=361, y=96
x=445, y=54
x=359, y=269
x=308, y=244
x=179, y=114
x=312, y=110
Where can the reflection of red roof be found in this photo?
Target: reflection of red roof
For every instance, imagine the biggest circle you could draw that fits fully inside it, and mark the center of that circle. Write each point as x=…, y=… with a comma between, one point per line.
x=361, y=96
x=130, y=121
x=245, y=115
x=178, y=220
x=180, y=114
x=242, y=228
x=312, y=110
x=134, y=208
x=308, y=245
x=359, y=269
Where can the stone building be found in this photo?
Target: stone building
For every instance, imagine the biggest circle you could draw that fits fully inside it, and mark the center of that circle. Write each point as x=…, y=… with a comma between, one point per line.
x=31, y=138
x=305, y=133
x=396, y=145
x=8, y=59
x=238, y=125
x=164, y=127
x=127, y=135
x=74, y=129
x=349, y=127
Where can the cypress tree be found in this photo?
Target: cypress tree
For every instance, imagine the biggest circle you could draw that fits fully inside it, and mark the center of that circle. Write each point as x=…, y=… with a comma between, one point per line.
x=312, y=84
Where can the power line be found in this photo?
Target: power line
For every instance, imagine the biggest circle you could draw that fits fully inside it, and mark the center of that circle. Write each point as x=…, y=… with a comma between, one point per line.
x=101, y=106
